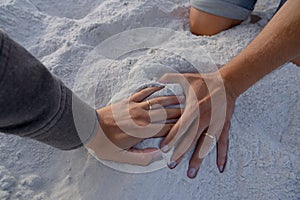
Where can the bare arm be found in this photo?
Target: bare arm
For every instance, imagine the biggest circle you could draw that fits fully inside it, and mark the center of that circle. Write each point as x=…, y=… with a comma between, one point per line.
x=278, y=43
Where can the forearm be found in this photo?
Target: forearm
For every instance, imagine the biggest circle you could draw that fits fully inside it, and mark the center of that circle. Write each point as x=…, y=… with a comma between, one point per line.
x=279, y=42
x=35, y=104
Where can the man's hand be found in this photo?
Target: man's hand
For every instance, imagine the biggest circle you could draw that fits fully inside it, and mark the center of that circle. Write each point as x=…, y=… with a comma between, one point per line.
x=127, y=123
x=209, y=108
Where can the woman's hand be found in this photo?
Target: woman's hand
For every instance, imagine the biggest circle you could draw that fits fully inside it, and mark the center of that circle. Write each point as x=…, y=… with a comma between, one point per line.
x=209, y=108
x=210, y=101
x=127, y=123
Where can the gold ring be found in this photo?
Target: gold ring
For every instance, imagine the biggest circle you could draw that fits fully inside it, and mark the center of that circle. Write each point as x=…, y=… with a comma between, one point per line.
x=212, y=137
x=149, y=104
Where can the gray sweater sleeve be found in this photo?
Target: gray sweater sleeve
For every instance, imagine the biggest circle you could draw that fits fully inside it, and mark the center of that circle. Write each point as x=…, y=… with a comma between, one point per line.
x=35, y=104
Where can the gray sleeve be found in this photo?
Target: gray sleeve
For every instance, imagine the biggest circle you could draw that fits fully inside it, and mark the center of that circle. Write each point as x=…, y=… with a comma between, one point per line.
x=35, y=104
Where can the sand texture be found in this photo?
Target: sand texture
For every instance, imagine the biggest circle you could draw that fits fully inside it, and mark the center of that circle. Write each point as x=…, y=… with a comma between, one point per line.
x=264, y=138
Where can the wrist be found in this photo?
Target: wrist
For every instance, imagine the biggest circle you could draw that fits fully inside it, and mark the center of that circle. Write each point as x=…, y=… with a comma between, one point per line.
x=93, y=143
x=230, y=87
x=99, y=117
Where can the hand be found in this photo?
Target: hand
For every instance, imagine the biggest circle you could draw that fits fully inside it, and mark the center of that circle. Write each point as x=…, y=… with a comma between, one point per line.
x=127, y=123
x=209, y=108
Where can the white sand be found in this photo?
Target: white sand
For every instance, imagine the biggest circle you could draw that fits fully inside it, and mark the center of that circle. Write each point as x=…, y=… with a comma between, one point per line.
x=264, y=137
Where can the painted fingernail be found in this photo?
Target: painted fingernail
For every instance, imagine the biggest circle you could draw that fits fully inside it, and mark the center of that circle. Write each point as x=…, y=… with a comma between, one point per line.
x=221, y=168
x=165, y=148
x=173, y=164
x=192, y=172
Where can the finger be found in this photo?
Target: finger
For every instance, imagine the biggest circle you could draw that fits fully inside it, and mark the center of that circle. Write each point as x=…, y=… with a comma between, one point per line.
x=178, y=130
x=193, y=134
x=222, y=148
x=164, y=131
x=125, y=141
x=187, y=142
x=173, y=78
x=162, y=115
x=191, y=138
x=174, y=164
x=141, y=95
x=159, y=102
x=166, y=144
x=142, y=157
x=152, y=130
x=195, y=161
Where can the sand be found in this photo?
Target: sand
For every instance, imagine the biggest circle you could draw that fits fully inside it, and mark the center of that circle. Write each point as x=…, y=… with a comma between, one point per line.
x=264, y=137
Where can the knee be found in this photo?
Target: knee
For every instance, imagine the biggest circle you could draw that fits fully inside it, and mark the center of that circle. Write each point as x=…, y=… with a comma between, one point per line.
x=198, y=27
x=202, y=23
x=296, y=61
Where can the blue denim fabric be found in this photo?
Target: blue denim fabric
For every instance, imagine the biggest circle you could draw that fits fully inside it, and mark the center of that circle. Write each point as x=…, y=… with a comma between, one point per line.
x=233, y=9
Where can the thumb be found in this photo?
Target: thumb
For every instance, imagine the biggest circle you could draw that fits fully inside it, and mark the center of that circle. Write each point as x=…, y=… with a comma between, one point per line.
x=171, y=78
x=142, y=157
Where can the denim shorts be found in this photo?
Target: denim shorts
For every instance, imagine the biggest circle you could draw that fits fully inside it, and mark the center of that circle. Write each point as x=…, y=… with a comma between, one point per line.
x=233, y=9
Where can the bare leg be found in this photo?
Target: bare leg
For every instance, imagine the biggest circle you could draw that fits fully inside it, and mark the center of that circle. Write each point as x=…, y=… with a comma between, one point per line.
x=296, y=61
x=202, y=23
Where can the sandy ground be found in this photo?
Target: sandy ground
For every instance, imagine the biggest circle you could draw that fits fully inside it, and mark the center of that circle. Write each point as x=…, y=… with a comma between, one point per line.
x=264, y=137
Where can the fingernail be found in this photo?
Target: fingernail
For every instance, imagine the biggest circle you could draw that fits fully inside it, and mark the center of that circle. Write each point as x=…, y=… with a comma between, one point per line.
x=192, y=172
x=165, y=148
x=157, y=157
x=221, y=168
x=173, y=164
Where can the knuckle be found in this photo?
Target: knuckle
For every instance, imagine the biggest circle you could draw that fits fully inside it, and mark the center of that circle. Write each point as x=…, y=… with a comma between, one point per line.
x=139, y=115
x=135, y=116
x=143, y=121
x=154, y=101
x=135, y=112
x=131, y=98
